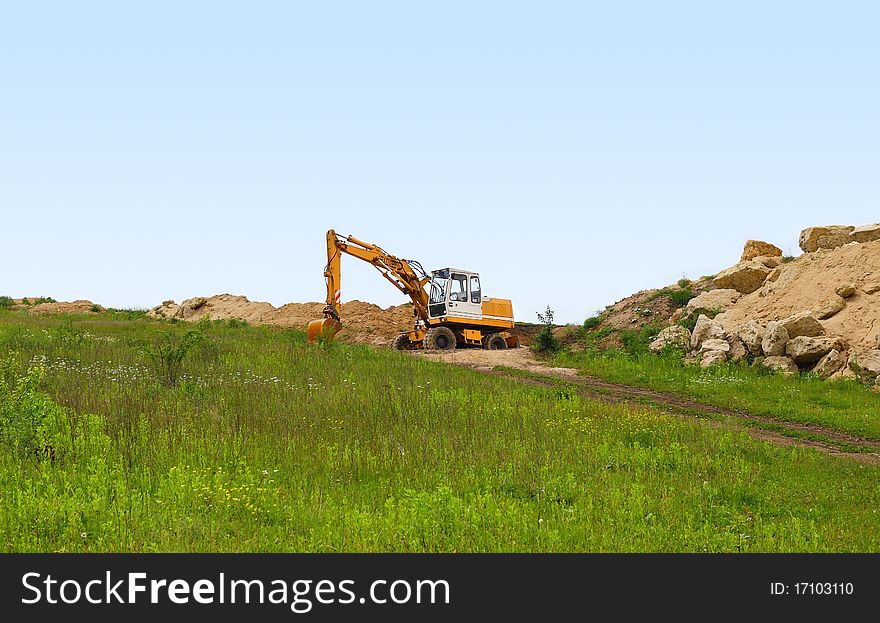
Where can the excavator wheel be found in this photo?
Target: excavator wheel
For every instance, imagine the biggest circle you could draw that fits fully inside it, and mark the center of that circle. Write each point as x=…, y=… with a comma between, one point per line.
x=494, y=341
x=401, y=342
x=440, y=338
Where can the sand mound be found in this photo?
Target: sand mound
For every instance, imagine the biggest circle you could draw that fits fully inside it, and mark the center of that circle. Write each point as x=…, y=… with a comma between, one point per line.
x=72, y=307
x=809, y=283
x=362, y=322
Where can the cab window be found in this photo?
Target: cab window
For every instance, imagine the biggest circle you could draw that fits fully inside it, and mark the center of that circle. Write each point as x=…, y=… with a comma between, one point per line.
x=476, y=296
x=458, y=291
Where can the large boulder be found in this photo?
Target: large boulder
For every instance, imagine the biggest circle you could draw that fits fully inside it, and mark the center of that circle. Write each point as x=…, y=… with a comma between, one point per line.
x=676, y=337
x=751, y=333
x=807, y=351
x=829, y=364
x=804, y=323
x=711, y=301
x=770, y=261
x=715, y=344
x=831, y=307
x=827, y=237
x=712, y=357
x=785, y=365
x=745, y=277
x=865, y=233
x=774, y=340
x=706, y=329
x=738, y=350
x=866, y=365
x=756, y=248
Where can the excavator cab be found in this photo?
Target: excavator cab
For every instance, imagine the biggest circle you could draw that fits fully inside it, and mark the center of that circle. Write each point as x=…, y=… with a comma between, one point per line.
x=455, y=292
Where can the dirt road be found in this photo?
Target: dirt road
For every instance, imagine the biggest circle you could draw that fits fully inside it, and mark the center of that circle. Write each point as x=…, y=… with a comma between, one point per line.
x=519, y=364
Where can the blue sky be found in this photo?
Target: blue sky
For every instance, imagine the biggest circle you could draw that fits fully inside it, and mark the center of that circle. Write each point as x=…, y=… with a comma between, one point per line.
x=572, y=153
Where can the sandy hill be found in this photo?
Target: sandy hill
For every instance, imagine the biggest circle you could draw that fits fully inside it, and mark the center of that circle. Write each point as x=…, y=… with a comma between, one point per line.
x=362, y=322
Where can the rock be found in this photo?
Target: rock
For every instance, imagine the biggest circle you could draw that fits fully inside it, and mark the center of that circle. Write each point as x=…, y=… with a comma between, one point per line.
x=831, y=308
x=738, y=350
x=833, y=241
x=781, y=364
x=167, y=303
x=774, y=275
x=712, y=357
x=769, y=261
x=809, y=238
x=705, y=329
x=871, y=288
x=865, y=233
x=809, y=350
x=756, y=248
x=676, y=337
x=712, y=301
x=745, y=277
x=715, y=344
x=751, y=333
x=804, y=323
x=829, y=364
x=775, y=337
x=845, y=290
x=866, y=365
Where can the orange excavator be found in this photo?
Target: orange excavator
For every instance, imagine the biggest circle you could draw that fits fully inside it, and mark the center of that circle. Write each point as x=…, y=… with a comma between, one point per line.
x=449, y=308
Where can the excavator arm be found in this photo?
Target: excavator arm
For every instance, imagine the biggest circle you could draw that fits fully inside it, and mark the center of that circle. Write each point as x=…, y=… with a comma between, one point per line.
x=408, y=276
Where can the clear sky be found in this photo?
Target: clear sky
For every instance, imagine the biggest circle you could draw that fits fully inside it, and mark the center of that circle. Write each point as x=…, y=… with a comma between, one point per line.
x=572, y=153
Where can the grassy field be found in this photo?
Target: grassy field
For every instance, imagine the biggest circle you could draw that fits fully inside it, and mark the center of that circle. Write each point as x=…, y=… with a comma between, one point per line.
x=843, y=405
x=263, y=443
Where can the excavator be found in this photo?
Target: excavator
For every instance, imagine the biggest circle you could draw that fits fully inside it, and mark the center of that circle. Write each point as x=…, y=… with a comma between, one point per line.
x=449, y=308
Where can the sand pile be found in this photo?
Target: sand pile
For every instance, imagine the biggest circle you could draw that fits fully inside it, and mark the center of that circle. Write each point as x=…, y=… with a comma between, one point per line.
x=73, y=307
x=362, y=322
x=812, y=282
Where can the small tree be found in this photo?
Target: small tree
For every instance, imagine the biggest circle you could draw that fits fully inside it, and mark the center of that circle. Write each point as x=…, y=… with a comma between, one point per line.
x=545, y=341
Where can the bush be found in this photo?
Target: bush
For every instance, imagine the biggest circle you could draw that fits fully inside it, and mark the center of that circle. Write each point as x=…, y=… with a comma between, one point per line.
x=684, y=282
x=592, y=322
x=167, y=352
x=545, y=341
x=29, y=419
x=681, y=297
x=5, y=302
x=636, y=341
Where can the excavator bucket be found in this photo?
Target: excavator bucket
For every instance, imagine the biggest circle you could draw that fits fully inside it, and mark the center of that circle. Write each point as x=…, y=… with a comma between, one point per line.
x=323, y=330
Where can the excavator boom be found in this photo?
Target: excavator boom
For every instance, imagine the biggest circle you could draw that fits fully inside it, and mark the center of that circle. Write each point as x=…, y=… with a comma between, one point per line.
x=408, y=276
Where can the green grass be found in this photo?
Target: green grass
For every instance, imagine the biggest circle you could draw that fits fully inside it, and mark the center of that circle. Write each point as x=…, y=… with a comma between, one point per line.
x=842, y=405
x=267, y=444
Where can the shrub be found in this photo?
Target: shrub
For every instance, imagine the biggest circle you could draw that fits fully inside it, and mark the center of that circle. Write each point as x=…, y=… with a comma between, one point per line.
x=681, y=297
x=545, y=341
x=635, y=341
x=29, y=419
x=167, y=352
x=787, y=258
x=592, y=322
x=684, y=282
x=5, y=302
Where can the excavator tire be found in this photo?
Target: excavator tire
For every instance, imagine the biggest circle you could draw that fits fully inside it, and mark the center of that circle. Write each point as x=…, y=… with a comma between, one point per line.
x=440, y=338
x=401, y=342
x=494, y=341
